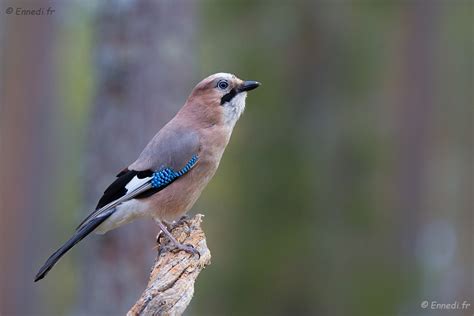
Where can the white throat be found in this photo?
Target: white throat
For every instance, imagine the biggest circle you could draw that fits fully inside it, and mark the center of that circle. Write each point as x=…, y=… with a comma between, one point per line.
x=234, y=109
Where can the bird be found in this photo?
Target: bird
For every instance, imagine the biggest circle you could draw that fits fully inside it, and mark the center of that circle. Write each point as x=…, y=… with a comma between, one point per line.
x=174, y=167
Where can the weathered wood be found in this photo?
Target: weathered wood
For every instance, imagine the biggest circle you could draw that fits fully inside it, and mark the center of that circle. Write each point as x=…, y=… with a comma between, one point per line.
x=171, y=285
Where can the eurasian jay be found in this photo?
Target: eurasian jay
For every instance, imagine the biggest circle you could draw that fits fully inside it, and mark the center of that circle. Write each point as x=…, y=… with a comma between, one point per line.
x=174, y=168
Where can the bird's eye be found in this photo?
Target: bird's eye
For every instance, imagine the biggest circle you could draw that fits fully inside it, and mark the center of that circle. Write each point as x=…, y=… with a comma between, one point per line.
x=222, y=84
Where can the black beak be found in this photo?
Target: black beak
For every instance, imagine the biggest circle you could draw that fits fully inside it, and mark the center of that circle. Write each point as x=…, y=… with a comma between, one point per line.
x=248, y=85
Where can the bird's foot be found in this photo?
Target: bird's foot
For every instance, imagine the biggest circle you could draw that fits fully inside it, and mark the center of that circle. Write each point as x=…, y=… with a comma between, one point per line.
x=165, y=228
x=175, y=247
x=174, y=244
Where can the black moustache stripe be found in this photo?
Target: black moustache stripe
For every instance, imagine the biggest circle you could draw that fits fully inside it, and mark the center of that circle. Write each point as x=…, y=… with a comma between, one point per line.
x=229, y=96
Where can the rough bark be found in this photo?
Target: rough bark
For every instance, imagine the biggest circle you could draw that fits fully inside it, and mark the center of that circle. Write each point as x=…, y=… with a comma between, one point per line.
x=171, y=285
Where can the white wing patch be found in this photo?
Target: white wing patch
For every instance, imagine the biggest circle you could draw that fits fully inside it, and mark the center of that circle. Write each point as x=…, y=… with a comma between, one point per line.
x=136, y=182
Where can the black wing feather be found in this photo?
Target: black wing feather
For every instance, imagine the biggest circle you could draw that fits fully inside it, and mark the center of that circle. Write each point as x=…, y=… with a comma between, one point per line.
x=117, y=188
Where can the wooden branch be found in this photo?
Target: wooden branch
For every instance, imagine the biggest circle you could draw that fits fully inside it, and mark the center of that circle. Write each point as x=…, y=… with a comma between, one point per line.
x=171, y=285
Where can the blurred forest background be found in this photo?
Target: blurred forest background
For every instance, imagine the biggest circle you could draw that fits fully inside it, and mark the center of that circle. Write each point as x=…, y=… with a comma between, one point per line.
x=347, y=188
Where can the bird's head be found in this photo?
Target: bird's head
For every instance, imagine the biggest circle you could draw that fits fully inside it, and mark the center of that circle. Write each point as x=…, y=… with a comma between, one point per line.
x=220, y=98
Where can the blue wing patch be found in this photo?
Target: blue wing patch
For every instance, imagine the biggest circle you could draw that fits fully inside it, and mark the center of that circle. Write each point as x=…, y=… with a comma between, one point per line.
x=165, y=176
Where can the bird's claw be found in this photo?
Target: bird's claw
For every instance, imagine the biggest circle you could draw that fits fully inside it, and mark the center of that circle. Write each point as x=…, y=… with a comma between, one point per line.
x=182, y=247
x=187, y=248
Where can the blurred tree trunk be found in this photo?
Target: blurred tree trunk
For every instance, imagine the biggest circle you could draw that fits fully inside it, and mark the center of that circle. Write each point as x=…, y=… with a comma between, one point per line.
x=26, y=135
x=415, y=106
x=144, y=63
x=414, y=103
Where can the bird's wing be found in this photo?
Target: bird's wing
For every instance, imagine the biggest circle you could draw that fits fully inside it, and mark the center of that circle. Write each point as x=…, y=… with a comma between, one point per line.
x=168, y=156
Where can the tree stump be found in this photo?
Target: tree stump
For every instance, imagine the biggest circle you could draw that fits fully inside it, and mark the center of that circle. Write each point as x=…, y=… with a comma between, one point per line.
x=171, y=284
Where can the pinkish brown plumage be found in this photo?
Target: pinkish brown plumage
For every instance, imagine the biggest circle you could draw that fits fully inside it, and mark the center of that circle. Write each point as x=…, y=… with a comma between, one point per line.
x=174, y=168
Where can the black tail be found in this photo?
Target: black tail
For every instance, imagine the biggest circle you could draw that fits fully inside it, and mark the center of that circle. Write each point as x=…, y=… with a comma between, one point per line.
x=77, y=237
